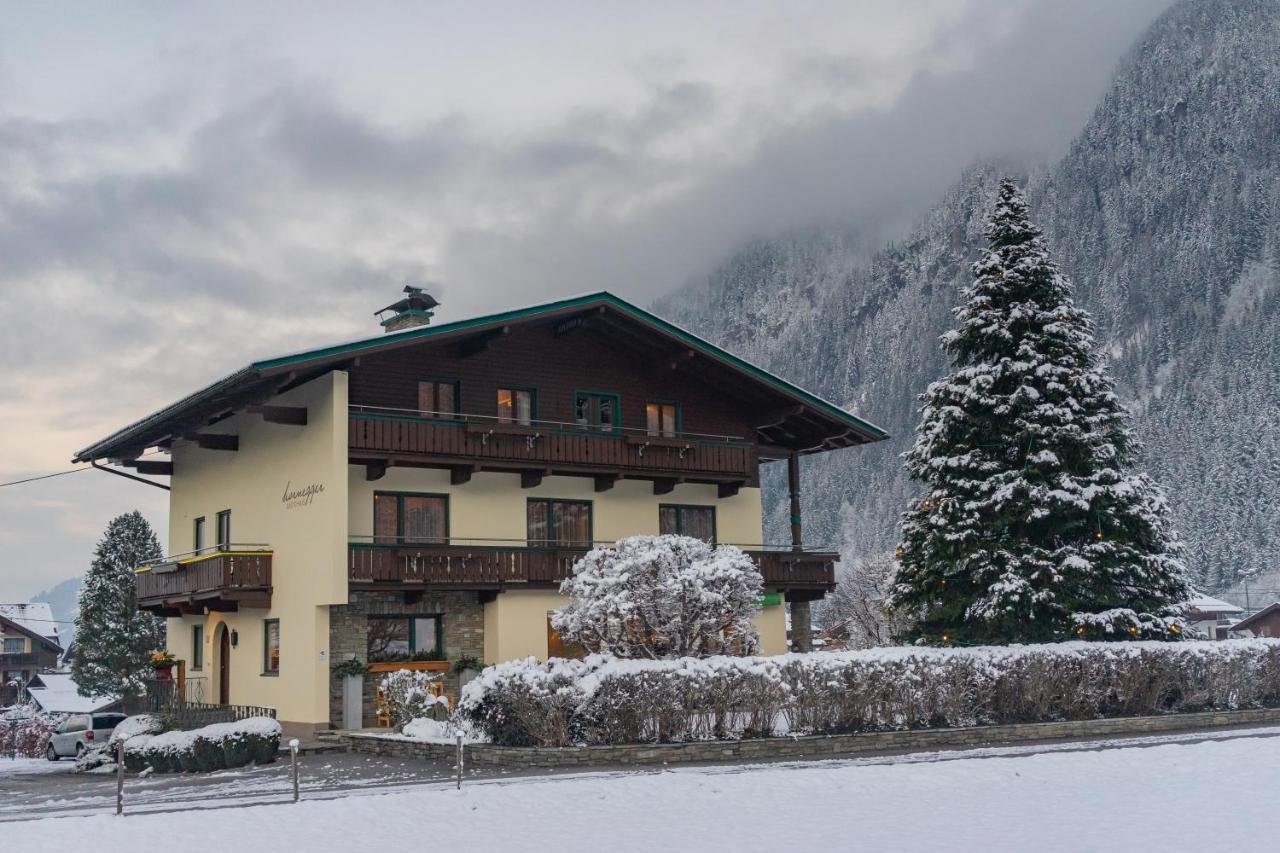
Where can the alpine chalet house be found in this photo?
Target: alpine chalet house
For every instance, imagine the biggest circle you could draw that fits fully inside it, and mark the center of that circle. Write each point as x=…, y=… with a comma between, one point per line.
x=28, y=644
x=415, y=498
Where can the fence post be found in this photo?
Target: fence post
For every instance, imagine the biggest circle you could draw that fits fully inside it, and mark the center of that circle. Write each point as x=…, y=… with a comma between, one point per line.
x=293, y=753
x=120, y=776
x=460, y=759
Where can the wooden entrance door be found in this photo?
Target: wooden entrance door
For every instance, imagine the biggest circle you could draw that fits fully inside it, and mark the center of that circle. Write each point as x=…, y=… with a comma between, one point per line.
x=224, y=666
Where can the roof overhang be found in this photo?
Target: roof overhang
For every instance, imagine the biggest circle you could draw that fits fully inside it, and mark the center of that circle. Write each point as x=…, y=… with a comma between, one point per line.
x=801, y=422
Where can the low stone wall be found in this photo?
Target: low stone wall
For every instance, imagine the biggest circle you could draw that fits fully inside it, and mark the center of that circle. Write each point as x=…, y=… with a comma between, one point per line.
x=812, y=746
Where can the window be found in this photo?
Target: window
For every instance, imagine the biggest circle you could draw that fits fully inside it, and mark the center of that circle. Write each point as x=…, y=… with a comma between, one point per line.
x=393, y=638
x=197, y=535
x=515, y=406
x=224, y=530
x=438, y=398
x=662, y=419
x=559, y=647
x=271, y=647
x=409, y=518
x=696, y=521
x=595, y=410
x=14, y=645
x=557, y=523
x=197, y=647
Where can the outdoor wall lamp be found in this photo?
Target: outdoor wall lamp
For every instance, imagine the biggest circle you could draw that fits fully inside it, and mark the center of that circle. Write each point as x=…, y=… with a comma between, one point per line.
x=235, y=639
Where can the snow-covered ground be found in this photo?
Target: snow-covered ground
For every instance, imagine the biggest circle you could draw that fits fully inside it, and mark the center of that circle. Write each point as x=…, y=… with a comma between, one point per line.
x=1180, y=794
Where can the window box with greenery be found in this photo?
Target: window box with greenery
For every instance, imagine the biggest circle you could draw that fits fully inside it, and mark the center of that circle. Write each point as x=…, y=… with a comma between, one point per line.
x=411, y=641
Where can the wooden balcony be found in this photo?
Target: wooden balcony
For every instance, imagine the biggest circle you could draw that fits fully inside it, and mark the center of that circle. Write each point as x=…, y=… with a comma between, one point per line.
x=548, y=447
x=485, y=567
x=224, y=580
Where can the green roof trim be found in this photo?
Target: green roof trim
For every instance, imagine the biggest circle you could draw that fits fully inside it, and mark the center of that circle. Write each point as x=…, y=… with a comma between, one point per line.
x=259, y=369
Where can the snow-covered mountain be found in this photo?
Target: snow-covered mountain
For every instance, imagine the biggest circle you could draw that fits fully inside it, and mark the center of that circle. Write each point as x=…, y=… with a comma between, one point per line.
x=1165, y=212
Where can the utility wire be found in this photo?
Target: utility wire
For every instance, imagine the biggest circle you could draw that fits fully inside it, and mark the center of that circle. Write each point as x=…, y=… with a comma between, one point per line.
x=60, y=473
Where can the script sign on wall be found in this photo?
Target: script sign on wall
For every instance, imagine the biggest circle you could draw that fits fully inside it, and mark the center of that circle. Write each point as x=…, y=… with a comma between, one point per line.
x=301, y=496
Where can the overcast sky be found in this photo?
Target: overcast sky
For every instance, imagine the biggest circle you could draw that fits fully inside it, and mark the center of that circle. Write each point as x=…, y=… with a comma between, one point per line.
x=182, y=190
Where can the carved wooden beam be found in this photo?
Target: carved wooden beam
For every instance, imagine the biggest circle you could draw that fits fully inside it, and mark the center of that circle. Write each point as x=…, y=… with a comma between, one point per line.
x=606, y=482
x=375, y=471
x=154, y=468
x=727, y=490
x=530, y=479
x=778, y=416
x=217, y=441
x=291, y=415
x=460, y=474
x=664, y=486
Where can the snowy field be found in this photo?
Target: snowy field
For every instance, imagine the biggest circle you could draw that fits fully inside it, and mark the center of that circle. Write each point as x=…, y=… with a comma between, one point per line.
x=1174, y=795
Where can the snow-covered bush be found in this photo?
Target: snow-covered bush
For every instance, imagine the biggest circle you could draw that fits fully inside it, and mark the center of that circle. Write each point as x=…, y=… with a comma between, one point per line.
x=662, y=597
x=408, y=695
x=25, y=731
x=213, y=747
x=607, y=700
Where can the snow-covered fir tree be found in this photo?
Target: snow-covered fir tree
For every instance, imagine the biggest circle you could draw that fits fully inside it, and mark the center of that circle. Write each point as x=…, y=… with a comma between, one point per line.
x=662, y=597
x=114, y=640
x=1033, y=525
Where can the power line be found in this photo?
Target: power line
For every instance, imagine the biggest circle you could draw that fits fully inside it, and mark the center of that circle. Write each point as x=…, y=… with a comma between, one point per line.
x=60, y=473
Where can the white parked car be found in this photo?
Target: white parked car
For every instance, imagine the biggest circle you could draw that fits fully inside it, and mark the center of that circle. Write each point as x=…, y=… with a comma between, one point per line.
x=78, y=732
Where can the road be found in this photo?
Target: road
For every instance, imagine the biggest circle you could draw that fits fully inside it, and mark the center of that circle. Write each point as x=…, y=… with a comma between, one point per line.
x=32, y=788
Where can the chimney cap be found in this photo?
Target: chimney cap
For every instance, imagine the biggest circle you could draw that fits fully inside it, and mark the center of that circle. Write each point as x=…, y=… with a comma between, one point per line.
x=415, y=299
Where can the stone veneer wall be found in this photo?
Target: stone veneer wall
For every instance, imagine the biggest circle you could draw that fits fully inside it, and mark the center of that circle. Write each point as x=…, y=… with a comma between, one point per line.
x=462, y=617
x=811, y=746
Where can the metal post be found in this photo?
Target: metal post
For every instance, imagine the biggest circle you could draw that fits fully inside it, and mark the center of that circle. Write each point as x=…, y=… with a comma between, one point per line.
x=460, y=760
x=293, y=753
x=120, y=776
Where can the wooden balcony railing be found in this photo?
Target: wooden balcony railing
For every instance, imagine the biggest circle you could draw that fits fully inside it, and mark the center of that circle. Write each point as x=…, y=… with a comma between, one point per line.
x=499, y=566
x=223, y=580
x=548, y=445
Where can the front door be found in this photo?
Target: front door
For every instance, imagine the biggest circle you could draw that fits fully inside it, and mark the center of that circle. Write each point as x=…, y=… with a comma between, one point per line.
x=224, y=666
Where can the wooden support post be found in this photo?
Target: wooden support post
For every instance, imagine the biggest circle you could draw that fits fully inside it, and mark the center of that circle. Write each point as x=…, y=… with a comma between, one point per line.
x=793, y=483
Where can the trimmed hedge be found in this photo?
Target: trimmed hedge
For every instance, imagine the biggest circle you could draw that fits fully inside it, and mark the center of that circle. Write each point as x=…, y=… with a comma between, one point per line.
x=603, y=700
x=216, y=747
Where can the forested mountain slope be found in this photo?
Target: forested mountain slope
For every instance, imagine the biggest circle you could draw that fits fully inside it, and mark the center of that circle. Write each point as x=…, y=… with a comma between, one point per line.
x=1164, y=212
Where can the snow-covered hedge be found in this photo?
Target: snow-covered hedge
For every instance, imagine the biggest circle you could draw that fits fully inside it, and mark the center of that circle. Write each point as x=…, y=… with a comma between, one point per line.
x=408, y=695
x=24, y=732
x=607, y=700
x=214, y=747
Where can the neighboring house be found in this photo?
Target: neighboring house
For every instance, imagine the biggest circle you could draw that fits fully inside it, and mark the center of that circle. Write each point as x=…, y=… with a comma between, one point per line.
x=1211, y=616
x=422, y=493
x=1264, y=623
x=28, y=644
x=56, y=693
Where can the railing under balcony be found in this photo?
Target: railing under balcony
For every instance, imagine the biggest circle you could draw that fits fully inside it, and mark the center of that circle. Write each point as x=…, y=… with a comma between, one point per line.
x=224, y=578
x=494, y=564
x=556, y=446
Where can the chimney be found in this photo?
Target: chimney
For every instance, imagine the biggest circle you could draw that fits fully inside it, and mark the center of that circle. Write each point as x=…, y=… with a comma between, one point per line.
x=414, y=309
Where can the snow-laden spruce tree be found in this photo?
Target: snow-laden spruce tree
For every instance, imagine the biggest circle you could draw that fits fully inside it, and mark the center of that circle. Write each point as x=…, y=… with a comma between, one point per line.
x=1034, y=526
x=114, y=640
x=662, y=597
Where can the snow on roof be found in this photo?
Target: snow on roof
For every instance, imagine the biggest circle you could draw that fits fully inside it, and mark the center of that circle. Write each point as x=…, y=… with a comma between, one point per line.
x=1207, y=604
x=36, y=618
x=60, y=696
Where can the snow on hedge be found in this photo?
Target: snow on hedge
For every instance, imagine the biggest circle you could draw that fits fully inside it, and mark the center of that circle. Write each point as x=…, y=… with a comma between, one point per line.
x=608, y=700
x=212, y=747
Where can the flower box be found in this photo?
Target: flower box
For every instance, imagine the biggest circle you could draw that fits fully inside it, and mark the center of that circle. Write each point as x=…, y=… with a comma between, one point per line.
x=393, y=665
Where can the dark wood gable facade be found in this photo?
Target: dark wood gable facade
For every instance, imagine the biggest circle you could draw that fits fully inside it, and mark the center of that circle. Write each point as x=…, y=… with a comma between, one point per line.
x=553, y=397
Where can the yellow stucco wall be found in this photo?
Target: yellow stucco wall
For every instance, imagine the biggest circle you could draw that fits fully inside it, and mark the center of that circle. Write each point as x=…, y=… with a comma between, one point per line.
x=309, y=544
x=492, y=506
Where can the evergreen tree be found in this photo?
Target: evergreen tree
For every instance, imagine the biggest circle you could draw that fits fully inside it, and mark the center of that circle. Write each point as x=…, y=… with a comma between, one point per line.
x=1034, y=527
x=114, y=640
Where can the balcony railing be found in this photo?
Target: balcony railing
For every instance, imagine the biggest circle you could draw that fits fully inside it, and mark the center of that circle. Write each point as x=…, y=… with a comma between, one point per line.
x=19, y=659
x=226, y=579
x=466, y=565
x=555, y=446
